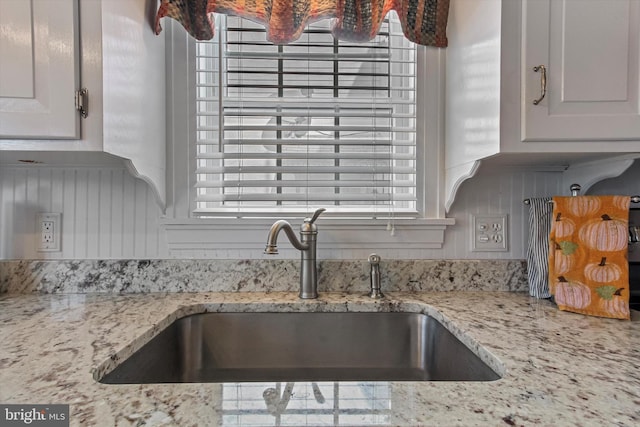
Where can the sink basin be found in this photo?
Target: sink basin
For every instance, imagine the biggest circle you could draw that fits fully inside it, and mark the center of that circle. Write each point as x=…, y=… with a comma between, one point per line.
x=239, y=347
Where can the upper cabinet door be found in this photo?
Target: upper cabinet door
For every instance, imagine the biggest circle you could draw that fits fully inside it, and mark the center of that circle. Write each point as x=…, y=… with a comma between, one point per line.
x=39, y=69
x=590, y=50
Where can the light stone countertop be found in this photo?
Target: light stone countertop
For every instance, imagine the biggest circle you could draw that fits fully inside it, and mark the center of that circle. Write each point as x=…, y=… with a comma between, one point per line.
x=558, y=368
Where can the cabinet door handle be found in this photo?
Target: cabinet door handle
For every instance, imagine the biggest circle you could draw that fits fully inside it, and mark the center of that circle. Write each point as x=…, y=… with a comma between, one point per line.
x=543, y=83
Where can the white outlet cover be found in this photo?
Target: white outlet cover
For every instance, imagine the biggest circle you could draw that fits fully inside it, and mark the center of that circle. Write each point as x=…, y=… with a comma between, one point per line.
x=489, y=233
x=52, y=242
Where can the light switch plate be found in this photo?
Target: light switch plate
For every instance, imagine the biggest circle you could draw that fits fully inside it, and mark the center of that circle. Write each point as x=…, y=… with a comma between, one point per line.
x=489, y=233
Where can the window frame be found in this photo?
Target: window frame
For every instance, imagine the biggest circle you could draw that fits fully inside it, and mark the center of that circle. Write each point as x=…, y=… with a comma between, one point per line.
x=189, y=234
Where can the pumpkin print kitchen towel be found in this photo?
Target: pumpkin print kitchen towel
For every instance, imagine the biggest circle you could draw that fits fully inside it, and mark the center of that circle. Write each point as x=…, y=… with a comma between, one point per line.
x=588, y=267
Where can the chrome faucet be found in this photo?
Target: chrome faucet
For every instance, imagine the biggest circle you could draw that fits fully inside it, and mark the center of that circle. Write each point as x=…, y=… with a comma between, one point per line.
x=307, y=247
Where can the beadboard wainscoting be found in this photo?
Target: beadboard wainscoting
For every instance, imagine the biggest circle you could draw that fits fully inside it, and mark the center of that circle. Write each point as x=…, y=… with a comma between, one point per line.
x=108, y=214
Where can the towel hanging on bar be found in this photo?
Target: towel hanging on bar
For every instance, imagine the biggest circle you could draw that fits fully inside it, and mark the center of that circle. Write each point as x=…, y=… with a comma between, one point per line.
x=538, y=247
x=588, y=266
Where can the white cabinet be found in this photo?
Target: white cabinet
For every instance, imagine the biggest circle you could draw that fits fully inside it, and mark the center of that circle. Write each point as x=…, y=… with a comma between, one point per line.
x=106, y=46
x=590, y=111
x=590, y=50
x=39, y=69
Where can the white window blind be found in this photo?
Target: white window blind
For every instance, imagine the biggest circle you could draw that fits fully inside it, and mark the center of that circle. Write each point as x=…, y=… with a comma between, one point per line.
x=320, y=122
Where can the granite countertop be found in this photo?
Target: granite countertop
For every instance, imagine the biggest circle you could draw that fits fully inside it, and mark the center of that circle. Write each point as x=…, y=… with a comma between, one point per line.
x=558, y=368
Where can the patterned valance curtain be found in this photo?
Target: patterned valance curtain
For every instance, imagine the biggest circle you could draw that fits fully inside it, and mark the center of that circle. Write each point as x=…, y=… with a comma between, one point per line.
x=423, y=21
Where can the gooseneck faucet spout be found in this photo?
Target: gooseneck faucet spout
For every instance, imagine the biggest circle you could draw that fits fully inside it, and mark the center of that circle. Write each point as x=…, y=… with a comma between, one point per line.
x=272, y=239
x=307, y=247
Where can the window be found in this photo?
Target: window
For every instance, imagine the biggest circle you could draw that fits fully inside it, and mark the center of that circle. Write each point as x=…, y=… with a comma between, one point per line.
x=319, y=122
x=211, y=212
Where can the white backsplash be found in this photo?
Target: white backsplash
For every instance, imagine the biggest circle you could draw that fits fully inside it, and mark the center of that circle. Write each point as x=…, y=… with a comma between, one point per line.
x=108, y=214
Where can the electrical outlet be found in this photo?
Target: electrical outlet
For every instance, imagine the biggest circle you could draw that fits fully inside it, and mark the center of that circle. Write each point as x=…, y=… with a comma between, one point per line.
x=49, y=227
x=489, y=233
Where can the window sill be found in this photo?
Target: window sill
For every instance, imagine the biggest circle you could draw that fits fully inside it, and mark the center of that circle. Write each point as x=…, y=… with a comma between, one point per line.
x=334, y=234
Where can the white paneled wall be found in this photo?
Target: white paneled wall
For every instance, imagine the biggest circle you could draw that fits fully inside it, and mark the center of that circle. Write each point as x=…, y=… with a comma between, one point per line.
x=106, y=213
x=493, y=192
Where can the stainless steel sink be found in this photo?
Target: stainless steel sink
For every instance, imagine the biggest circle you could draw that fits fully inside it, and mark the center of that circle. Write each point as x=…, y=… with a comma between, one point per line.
x=239, y=347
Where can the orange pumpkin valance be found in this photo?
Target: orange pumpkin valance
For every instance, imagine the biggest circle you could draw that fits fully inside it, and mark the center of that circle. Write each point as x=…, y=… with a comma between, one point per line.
x=423, y=21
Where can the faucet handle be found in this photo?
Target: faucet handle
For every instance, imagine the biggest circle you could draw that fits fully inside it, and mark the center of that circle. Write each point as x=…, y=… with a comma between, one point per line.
x=315, y=216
